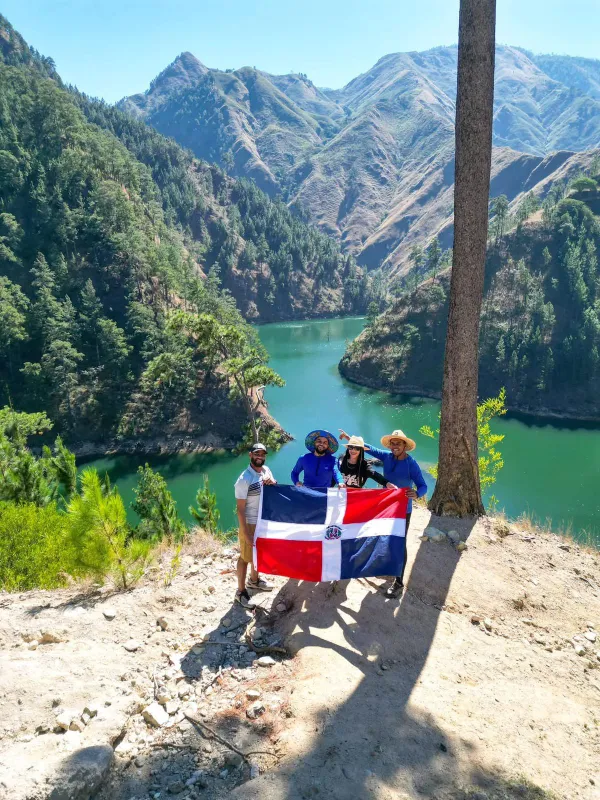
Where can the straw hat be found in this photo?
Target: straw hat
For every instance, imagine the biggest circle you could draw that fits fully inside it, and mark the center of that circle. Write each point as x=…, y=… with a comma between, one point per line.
x=314, y=435
x=385, y=440
x=356, y=441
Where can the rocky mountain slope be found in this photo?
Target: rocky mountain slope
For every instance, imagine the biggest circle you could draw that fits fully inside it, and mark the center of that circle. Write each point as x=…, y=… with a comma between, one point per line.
x=371, y=160
x=482, y=682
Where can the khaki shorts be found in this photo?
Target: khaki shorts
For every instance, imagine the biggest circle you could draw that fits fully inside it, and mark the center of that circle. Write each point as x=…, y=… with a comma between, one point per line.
x=245, y=547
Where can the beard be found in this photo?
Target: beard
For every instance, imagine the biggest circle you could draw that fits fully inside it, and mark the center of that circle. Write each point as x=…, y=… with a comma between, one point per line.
x=320, y=449
x=257, y=462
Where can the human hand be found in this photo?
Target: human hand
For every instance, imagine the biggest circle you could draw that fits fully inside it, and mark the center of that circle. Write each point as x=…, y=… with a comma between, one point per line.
x=410, y=493
x=299, y=483
x=390, y=485
x=341, y=485
x=343, y=434
x=269, y=482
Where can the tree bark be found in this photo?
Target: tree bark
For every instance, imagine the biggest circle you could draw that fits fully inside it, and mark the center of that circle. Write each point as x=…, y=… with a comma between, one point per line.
x=458, y=490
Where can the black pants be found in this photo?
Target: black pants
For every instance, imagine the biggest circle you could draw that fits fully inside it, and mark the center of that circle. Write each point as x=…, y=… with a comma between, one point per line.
x=400, y=578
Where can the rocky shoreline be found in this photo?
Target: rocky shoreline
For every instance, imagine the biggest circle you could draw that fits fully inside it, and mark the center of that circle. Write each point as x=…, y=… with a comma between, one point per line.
x=356, y=376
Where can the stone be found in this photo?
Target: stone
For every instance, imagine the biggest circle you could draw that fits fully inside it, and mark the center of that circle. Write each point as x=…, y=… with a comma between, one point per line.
x=176, y=787
x=255, y=710
x=281, y=607
x=163, y=696
x=109, y=613
x=131, y=646
x=184, y=690
x=155, y=715
x=162, y=623
x=172, y=707
x=51, y=637
x=27, y=636
x=226, y=623
x=454, y=536
x=488, y=624
x=64, y=719
x=475, y=620
x=461, y=546
x=32, y=646
x=253, y=694
x=233, y=759
x=82, y=774
x=434, y=534
x=194, y=778
x=76, y=725
x=590, y=625
x=590, y=636
x=579, y=649
x=266, y=661
x=254, y=771
x=91, y=709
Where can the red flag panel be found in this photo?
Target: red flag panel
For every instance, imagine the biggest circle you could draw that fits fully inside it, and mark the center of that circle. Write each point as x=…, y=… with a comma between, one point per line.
x=363, y=505
x=291, y=558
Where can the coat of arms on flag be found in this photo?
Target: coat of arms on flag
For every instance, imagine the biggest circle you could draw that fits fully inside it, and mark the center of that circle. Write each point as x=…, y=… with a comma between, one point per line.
x=330, y=534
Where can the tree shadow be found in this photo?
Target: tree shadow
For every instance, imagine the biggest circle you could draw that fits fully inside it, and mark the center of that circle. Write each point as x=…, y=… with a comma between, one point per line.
x=377, y=742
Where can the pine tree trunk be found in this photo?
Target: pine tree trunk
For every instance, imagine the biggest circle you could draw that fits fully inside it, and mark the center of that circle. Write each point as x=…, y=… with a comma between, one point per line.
x=458, y=491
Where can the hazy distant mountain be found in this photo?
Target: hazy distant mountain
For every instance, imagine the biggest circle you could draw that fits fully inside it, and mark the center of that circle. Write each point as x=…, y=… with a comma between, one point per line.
x=372, y=163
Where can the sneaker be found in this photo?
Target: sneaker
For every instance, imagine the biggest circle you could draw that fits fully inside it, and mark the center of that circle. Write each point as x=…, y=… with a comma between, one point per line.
x=243, y=598
x=395, y=590
x=260, y=585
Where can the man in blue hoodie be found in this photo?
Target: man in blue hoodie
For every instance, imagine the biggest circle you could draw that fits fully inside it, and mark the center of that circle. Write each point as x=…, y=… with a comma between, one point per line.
x=319, y=466
x=402, y=471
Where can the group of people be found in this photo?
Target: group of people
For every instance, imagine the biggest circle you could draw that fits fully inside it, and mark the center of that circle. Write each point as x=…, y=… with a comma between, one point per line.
x=320, y=468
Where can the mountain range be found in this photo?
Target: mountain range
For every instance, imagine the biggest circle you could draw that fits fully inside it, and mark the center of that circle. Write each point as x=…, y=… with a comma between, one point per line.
x=372, y=163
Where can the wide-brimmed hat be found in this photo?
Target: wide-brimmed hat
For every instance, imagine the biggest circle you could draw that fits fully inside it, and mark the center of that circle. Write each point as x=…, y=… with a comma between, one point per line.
x=314, y=435
x=355, y=441
x=385, y=440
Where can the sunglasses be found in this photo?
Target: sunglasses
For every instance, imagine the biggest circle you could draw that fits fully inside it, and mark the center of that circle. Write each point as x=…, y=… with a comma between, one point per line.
x=353, y=447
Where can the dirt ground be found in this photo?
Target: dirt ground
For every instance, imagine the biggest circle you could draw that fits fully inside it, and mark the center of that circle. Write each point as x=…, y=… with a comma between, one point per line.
x=483, y=681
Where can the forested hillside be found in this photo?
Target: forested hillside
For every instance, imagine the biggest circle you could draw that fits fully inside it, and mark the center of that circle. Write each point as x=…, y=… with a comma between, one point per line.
x=540, y=331
x=106, y=229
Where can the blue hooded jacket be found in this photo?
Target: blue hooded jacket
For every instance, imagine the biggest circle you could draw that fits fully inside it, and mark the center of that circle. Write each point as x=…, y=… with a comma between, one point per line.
x=319, y=471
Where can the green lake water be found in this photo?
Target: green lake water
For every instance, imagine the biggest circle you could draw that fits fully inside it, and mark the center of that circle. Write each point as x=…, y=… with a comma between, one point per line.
x=552, y=471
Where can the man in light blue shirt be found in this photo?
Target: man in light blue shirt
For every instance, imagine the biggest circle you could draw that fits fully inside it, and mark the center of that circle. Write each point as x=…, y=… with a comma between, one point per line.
x=402, y=471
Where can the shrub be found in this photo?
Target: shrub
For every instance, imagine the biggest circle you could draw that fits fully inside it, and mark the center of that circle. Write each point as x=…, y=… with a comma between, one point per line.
x=206, y=513
x=34, y=547
x=156, y=508
x=100, y=536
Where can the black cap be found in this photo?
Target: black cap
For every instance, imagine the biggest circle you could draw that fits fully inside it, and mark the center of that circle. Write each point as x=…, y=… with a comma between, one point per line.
x=258, y=446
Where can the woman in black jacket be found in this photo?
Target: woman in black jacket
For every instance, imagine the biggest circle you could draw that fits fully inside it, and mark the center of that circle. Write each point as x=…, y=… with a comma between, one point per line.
x=355, y=468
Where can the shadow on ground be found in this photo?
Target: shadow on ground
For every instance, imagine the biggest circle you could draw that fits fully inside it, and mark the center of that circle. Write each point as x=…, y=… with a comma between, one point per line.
x=375, y=743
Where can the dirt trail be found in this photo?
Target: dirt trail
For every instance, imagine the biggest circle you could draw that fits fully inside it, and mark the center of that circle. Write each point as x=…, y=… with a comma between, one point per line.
x=469, y=687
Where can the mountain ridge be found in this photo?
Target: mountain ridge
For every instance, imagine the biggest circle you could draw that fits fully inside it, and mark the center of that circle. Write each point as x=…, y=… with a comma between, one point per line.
x=351, y=158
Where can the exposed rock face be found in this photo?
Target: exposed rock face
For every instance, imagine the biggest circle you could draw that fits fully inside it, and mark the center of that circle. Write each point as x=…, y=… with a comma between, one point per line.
x=82, y=774
x=372, y=163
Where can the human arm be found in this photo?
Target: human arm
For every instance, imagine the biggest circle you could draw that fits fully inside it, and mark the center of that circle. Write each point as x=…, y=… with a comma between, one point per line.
x=241, y=514
x=376, y=452
x=417, y=478
x=343, y=434
x=339, y=478
x=378, y=478
x=297, y=470
x=269, y=480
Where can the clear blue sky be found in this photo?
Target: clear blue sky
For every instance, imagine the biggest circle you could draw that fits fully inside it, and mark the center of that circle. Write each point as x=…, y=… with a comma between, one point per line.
x=112, y=48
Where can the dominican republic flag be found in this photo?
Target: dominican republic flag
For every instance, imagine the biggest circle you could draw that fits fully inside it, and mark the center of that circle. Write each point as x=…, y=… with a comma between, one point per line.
x=330, y=534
